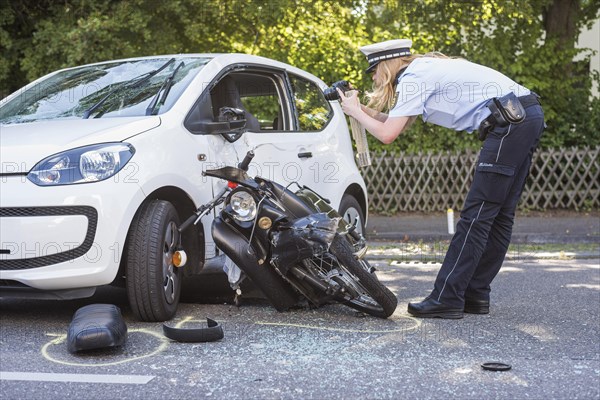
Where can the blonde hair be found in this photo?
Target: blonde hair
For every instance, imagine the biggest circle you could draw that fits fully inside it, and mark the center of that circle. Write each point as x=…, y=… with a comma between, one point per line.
x=384, y=89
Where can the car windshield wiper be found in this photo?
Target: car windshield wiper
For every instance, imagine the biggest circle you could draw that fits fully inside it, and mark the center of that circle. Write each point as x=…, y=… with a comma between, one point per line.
x=132, y=83
x=166, y=86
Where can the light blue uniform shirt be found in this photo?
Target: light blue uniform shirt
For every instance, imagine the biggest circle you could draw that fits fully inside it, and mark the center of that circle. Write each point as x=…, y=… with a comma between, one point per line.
x=450, y=92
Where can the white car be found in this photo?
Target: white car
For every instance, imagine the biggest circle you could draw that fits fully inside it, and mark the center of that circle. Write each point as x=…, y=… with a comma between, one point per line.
x=101, y=162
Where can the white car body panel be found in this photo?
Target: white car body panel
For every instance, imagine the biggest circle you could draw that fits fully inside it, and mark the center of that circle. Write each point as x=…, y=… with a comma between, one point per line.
x=24, y=145
x=167, y=155
x=99, y=265
x=43, y=230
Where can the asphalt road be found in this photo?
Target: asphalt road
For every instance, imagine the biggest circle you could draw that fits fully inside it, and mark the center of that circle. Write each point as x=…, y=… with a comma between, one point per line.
x=544, y=321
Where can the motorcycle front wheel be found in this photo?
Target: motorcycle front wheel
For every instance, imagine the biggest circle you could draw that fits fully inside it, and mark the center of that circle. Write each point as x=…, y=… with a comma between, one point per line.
x=362, y=290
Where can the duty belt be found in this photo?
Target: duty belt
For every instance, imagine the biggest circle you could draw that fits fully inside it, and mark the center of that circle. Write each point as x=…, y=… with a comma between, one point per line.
x=490, y=122
x=530, y=100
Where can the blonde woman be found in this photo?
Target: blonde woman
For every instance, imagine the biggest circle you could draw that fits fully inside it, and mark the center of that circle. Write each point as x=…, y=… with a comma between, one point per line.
x=462, y=96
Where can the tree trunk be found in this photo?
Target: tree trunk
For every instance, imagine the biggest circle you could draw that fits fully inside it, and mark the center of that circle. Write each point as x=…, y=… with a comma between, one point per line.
x=560, y=21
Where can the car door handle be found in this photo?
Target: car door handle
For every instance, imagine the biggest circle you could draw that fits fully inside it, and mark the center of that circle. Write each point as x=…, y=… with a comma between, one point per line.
x=306, y=154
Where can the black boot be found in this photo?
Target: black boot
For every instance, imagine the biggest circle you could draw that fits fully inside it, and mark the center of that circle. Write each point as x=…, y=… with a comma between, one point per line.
x=477, y=306
x=430, y=308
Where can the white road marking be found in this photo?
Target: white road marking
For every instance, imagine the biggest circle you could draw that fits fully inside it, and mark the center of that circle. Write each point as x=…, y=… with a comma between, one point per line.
x=87, y=378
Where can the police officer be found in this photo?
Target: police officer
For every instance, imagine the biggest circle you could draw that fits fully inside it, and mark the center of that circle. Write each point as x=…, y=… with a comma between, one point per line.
x=463, y=96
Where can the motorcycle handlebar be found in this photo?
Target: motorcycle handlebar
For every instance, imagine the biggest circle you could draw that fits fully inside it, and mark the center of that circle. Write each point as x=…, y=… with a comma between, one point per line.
x=188, y=222
x=246, y=161
x=204, y=210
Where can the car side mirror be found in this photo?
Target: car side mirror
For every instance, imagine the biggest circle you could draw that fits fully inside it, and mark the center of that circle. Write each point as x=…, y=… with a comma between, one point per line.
x=216, y=127
x=230, y=123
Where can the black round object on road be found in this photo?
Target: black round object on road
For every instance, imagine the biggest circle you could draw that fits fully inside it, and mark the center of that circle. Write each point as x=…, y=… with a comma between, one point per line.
x=212, y=333
x=496, y=366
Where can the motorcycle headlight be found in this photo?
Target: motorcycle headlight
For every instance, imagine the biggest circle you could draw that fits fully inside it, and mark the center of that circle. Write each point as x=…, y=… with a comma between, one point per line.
x=82, y=165
x=243, y=206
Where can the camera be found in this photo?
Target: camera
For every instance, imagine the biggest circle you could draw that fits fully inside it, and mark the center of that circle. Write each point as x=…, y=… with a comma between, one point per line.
x=331, y=92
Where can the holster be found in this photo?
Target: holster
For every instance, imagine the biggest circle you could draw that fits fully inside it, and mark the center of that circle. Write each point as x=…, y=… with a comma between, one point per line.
x=504, y=110
x=507, y=109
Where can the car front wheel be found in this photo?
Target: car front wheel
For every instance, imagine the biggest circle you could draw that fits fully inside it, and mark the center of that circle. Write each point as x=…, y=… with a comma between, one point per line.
x=153, y=282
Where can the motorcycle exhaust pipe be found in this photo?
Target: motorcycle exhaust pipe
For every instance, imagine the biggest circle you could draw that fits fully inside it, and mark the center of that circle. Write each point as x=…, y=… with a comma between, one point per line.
x=235, y=245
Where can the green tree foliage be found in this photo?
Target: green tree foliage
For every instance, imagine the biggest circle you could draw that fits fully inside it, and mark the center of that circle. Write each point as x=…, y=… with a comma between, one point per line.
x=532, y=42
x=513, y=37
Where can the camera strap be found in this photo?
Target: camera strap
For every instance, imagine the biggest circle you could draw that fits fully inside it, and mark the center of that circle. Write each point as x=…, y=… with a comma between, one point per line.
x=362, y=146
x=359, y=134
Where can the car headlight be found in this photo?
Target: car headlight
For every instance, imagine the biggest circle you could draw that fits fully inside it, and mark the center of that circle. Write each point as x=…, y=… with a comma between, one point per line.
x=243, y=206
x=82, y=165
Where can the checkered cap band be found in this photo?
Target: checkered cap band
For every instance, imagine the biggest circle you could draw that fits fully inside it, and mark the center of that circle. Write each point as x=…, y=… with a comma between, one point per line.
x=385, y=55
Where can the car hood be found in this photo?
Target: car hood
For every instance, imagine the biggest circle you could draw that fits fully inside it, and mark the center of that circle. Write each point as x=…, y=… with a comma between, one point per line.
x=24, y=145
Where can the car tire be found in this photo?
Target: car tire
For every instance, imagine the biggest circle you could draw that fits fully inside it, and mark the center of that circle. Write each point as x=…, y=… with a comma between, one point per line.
x=153, y=282
x=350, y=210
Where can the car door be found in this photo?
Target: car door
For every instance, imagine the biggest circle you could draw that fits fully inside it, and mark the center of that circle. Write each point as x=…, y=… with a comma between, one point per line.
x=286, y=120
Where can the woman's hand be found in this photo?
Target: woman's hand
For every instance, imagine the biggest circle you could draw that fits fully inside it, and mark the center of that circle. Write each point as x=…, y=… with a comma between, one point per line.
x=349, y=102
x=384, y=128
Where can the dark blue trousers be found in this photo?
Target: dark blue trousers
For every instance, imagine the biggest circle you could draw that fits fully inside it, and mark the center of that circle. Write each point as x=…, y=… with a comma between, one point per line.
x=483, y=233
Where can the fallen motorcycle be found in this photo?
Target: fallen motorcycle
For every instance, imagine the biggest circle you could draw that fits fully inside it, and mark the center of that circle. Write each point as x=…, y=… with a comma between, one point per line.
x=292, y=245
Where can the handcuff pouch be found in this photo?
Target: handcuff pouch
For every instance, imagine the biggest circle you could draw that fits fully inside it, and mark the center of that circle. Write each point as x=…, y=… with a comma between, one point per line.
x=507, y=110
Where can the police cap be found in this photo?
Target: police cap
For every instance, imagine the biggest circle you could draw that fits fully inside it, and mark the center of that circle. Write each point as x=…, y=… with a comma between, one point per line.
x=378, y=52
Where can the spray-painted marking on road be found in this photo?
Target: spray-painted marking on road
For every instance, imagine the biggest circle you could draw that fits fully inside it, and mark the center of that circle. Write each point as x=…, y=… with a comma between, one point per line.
x=84, y=378
x=417, y=324
x=59, y=339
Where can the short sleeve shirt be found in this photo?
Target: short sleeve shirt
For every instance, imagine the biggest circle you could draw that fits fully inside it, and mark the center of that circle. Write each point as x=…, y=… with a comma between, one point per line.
x=450, y=92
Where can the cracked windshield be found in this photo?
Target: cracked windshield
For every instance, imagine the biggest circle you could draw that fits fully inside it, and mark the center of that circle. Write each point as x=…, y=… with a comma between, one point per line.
x=115, y=89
